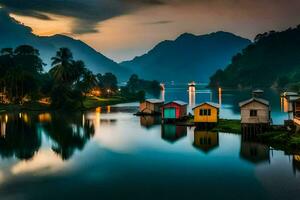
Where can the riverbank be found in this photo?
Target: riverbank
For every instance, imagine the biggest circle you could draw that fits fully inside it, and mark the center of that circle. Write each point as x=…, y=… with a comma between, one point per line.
x=94, y=102
x=277, y=137
x=88, y=103
x=281, y=140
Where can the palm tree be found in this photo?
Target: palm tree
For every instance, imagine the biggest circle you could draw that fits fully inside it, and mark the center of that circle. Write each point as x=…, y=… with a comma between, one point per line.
x=62, y=66
x=79, y=70
x=89, y=80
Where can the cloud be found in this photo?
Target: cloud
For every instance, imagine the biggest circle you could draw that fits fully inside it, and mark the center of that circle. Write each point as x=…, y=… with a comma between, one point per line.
x=158, y=22
x=87, y=14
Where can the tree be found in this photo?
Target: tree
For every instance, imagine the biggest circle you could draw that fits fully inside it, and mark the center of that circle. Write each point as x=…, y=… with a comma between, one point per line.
x=20, y=70
x=62, y=66
x=108, y=83
x=133, y=83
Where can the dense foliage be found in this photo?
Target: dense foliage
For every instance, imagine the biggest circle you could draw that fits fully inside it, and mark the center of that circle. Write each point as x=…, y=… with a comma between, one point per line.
x=273, y=60
x=65, y=86
x=136, y=84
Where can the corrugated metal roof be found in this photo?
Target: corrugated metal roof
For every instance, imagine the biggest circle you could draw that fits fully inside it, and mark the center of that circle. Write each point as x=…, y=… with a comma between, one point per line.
x=154, y=101
x=241, y=104
x=290, y=94
x=216, y=105
x=294, y=98
x=181, y=103
x=258, y=91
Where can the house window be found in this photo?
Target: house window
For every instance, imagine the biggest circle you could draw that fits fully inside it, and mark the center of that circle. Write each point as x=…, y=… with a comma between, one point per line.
x=253, y=113
x=205, y=112
x=209, y=112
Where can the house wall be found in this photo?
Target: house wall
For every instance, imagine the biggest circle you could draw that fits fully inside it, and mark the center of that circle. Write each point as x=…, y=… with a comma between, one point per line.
x=150, y=108
x=262, y=113
x=157, y=107
x=143, y=106
x=213, y=118
x=181, y=111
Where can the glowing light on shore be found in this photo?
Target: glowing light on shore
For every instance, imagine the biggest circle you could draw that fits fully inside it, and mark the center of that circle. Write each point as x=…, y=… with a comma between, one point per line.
x=6, y=118
x=192, y=94
x=44, y=117
x=220, y=96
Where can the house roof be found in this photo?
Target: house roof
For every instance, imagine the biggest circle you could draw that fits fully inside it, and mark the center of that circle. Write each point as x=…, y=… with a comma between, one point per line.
x=243, y=103
x=258, y=91
x=208, y=103
x=154, y=101
x=181, y=103
x=290, y=94
x=296, y=98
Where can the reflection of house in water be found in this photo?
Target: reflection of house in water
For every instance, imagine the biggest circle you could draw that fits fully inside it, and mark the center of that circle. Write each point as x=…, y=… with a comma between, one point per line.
x=205, y=140
x=172, y=133
x=296, y=163
x=254, y=152
x=149, y=121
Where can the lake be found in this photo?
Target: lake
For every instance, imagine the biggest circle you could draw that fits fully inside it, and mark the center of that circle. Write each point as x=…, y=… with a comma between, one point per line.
x=108, y=153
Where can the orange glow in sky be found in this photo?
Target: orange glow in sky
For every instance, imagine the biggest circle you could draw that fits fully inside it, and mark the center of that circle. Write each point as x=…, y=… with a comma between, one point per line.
x=127, y=35
x=58, y=24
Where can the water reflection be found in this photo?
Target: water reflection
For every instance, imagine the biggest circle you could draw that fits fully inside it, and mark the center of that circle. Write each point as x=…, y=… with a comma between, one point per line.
x=254, y=152
x=173, y=133
x=150, y=121
x=19, y=136
x=67, y=133
x=122, y=147
x=206, y=141
x=296, y=164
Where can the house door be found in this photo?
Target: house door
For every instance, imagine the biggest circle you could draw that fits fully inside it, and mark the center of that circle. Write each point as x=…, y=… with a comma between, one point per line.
x=170, y=113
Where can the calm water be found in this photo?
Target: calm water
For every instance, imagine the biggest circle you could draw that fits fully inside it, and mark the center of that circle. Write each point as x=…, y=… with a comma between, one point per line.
x=110, y=154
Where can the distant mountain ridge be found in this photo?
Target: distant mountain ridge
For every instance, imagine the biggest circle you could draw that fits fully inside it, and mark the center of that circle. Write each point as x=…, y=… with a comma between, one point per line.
x=189, y=57
x=273, y=60
x=13, y=34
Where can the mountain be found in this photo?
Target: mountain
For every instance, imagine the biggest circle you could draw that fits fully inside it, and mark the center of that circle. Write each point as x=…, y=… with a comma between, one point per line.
x=273, y=60
x=12, y=34
x=187, y=58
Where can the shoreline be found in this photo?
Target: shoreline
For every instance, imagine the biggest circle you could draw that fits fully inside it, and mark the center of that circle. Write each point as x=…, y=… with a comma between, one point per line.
x=277, y=137
x=90, y=103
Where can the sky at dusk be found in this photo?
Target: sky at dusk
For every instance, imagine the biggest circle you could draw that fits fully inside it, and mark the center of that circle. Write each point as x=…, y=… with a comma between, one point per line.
x=122, y=29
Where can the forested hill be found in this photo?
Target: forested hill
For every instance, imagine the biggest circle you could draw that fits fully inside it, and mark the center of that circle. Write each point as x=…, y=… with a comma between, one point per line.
x=189, y=57
x=273, y=60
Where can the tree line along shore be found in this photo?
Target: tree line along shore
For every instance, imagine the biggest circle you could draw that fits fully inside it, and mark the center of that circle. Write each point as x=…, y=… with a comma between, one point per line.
x=69, y=84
